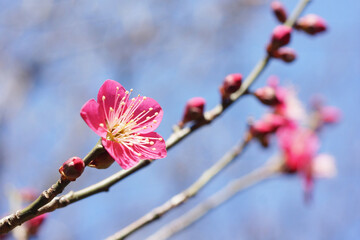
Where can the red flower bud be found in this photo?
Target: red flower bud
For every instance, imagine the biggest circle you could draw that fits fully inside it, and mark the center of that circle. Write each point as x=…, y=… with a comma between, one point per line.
x=311, y=24
x=279, y=11
x=262, y=128
x=286, y=54
x=280, y=37
x=231, y=84
x=194, y=110
x=267, y=95
x=33, y=225
x=102, y=161
x=72, y=168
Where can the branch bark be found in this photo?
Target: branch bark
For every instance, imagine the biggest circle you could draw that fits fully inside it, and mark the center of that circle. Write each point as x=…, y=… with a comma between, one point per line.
x=229, y=191
x=13, y=220
x=182, y=197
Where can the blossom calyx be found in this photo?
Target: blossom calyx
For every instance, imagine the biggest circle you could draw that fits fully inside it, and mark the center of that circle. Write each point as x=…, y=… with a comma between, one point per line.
x=311, y=24
x=194, y=110
x=102, y=161
x=72, y=168
x=279, y=11
x=231, y=84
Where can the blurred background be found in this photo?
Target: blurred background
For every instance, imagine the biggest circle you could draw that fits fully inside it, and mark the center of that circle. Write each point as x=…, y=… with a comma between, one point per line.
x=54, y=56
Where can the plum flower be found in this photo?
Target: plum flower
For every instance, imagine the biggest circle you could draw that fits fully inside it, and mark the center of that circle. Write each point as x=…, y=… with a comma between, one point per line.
x=125, y=125
x=299, y=146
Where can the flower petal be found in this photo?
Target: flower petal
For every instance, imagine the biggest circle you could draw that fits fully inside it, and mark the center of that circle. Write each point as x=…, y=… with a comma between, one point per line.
x=112, y=91
x=122, y=155
x=93, y=117
x=155, y=150
x=150, y=113
x=324, y=166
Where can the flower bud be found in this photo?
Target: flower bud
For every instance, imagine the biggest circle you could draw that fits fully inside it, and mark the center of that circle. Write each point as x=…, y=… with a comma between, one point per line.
x=262, y=128
x=231, y=84
x=286, y=54
x=311, y=24
x=279, y=11
x=194, y=110
x=102, y=161
x=33, y=225
x=280, y=37
x=72, y=168
x=267, y=95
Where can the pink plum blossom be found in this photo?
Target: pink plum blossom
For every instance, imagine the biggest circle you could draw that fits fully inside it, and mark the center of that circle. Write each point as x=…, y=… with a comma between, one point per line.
x=299, y=146
x=269, y=124
x=125, y=125
x=329, y=114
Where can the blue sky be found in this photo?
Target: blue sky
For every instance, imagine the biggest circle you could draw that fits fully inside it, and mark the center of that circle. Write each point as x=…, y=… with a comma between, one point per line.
x=55, y=55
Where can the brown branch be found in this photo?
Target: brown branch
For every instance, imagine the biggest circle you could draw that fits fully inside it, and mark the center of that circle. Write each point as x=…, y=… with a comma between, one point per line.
x=182, y=197
x=233, y=188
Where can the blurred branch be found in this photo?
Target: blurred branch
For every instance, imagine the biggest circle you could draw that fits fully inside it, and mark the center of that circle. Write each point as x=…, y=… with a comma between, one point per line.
x=182, y=197
x=271, y=168
x=11, y=221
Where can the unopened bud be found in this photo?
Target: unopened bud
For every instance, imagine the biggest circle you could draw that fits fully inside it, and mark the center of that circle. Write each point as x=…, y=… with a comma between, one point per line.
x=194, y=110
x=262, y=128
x=279, y=11
x=311, y=24
x=33, y=225
x=231, y=84
x=286, y=54
x=267, y=95
x=102, y=161
x=280, y=37
x=72, y=168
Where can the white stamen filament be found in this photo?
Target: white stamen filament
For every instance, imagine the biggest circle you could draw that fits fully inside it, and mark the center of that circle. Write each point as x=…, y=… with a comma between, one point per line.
x=123, y=122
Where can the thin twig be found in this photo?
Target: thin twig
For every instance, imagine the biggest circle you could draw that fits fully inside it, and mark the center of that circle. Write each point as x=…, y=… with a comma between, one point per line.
x=182, y=197
x=233, y=188
x=11, y=221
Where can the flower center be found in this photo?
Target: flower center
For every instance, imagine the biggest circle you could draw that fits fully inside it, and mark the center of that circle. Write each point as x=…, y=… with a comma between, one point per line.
x=124, y=121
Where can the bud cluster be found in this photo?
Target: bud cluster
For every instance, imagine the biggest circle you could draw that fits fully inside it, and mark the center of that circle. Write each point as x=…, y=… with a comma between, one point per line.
x=311, y=24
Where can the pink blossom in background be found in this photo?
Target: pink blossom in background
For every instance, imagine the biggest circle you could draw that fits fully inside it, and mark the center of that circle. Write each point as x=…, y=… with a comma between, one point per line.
x=329, y=114
x=125, y=125
x=34, y=224
x=299, y=146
